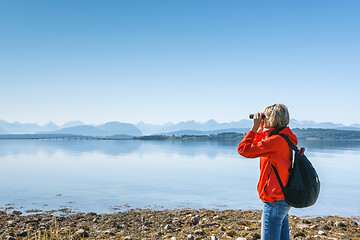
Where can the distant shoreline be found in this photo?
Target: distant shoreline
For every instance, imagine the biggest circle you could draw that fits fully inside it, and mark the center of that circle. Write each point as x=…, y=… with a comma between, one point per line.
x=308, y=134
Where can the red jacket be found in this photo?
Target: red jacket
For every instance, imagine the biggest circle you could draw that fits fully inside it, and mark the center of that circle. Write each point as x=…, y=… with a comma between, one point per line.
x=272, y=149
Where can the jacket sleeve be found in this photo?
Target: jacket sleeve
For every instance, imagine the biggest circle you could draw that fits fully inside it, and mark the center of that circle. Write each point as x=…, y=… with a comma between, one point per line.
x=250, y=147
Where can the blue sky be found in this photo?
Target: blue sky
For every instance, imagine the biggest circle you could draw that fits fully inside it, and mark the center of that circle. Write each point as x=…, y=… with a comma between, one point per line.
x=160, y=61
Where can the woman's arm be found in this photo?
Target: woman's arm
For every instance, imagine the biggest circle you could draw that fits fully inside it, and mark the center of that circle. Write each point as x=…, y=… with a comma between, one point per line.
x=258, y=123
x=249, y=148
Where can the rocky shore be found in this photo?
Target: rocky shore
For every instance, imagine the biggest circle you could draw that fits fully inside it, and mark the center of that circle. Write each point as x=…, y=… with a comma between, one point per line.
x=166, y=224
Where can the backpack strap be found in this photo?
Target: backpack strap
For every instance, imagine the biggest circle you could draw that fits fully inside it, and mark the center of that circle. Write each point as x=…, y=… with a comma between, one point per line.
x=276, y=131
x=294, y=148
x=278, y=177
x=289, y=142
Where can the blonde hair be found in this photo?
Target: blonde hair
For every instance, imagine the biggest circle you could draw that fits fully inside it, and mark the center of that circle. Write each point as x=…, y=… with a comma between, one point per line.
x=278, y=115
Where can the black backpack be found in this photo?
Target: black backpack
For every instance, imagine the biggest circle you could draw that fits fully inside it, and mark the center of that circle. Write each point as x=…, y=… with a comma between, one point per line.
x=303, y=187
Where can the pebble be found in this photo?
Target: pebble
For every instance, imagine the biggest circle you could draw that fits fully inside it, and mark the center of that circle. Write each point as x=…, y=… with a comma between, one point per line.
x=303, y=226
x=314, y=227
x=213, y=237
x=229, y=233
x=43, y=226
x=16, y=213
x=190, y=237
x=144, y=228
x=299, y=234
x=195, y=220
x=23, y=234
x=167, y=227
x=322, y=233
x=11, y=223
x=340, y=224
x=254, y=236
x=199, y=232
x=81, y=233
x=306, y=221
x=108, y=232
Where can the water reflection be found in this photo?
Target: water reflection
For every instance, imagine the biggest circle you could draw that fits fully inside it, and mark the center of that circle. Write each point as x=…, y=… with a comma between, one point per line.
x=330, y=144
x=95, y=175
x=120, y=147
x=115, y=147
x=112, y=148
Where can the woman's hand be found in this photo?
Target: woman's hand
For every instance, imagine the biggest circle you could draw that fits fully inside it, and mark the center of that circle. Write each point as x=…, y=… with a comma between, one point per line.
x=258, y=123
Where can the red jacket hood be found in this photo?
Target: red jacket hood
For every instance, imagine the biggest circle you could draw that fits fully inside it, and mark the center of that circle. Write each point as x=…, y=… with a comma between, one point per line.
x=286, y=131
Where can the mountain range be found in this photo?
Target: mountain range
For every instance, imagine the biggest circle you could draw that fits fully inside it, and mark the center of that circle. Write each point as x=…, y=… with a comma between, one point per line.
x=141, y=128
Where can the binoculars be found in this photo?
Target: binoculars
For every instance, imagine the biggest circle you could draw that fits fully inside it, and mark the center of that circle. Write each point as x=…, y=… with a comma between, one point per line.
x=251, y=116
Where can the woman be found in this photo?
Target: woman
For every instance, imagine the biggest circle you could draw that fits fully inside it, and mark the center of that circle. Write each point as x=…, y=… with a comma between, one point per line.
x=272, y=149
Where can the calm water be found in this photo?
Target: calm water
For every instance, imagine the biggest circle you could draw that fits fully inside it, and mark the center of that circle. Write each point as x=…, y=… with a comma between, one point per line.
x=106, y=176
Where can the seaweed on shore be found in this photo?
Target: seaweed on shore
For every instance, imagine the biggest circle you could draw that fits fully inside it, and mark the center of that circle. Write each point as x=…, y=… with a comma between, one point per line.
x=166, y=224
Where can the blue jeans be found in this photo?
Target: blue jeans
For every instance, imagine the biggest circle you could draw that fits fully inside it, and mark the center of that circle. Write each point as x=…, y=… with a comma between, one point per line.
x=275, y=221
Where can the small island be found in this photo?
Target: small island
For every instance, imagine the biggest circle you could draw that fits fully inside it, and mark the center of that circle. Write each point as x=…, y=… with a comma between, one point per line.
x=308, y=133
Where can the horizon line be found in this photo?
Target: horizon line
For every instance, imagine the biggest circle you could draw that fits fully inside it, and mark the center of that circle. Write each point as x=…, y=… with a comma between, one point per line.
x=169, y=122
